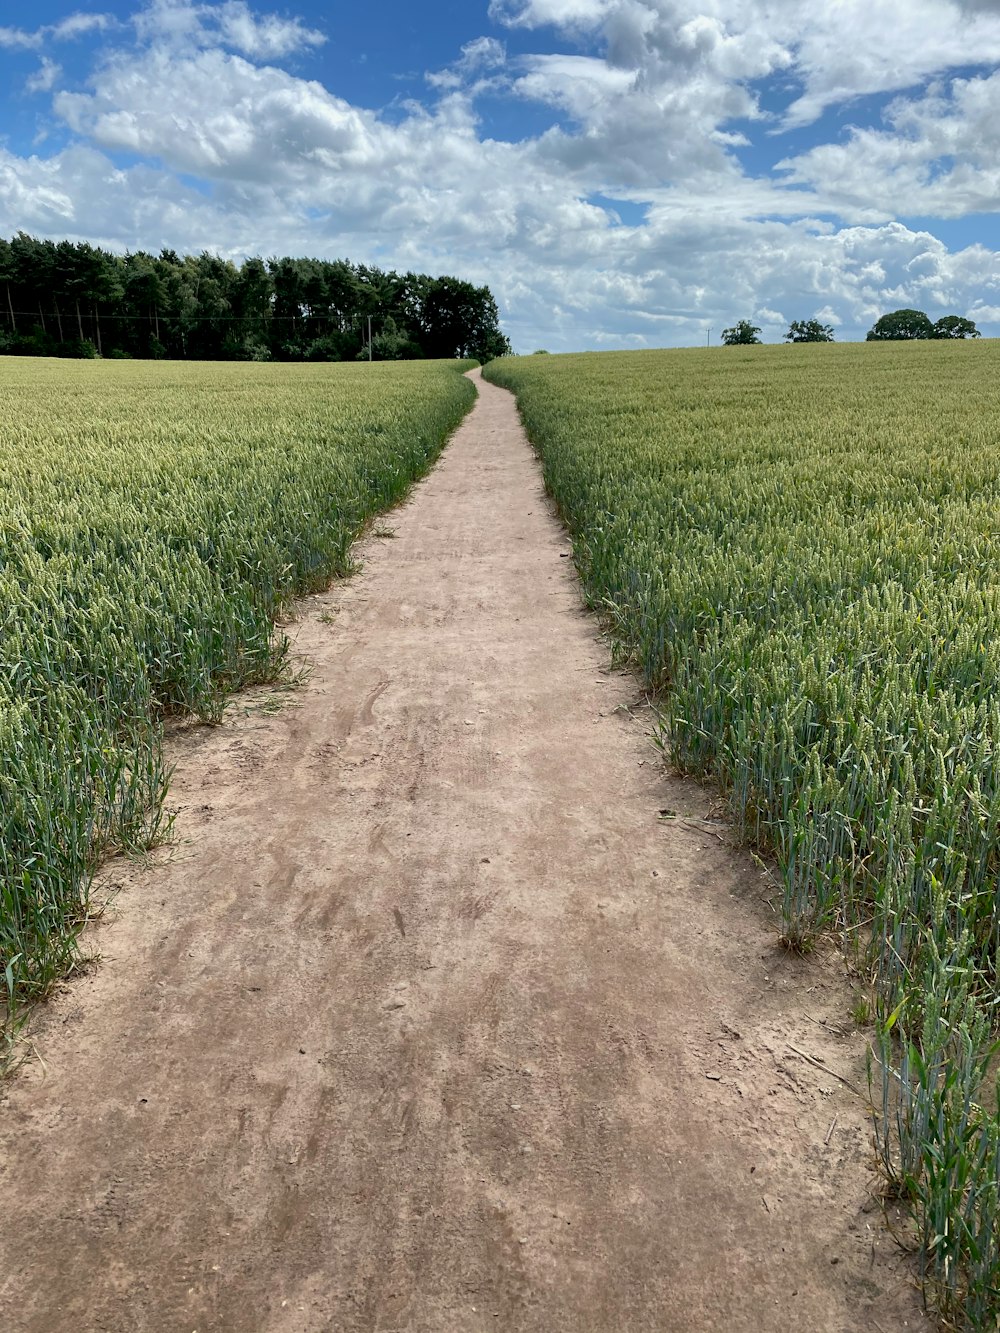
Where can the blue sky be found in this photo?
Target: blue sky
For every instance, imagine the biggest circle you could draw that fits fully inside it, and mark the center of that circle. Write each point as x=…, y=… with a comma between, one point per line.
x=622, y=173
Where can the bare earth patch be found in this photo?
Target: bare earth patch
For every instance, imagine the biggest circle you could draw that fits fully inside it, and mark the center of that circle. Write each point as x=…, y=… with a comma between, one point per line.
x=427, y=1019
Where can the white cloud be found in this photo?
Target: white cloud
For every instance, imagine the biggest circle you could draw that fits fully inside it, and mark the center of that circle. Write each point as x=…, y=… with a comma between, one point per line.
x=642, y=113
x=219, y=115
x=232, y=24
x=45, y=77
x=267, y=37
x=16, y=39
x=169, y=21
x=581, y=85
x=557, y=13
x=481, y=55
x=67, y=29
x=835, y=51
x=857, y=48
x=79, y=25
x=939, y=157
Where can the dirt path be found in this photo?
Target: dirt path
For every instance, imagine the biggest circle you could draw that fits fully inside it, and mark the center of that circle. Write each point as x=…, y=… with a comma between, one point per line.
x=427, y=1021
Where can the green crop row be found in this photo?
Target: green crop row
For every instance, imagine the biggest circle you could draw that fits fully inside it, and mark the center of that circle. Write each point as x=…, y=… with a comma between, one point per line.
x=800, y=547
x=154, y=518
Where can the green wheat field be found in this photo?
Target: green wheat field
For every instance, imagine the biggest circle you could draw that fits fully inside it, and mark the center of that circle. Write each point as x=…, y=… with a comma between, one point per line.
x=154, y=519
x=800, y=549
x=797, y=547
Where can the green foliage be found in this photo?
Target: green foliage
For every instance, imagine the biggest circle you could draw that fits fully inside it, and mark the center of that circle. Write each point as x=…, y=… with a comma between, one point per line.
x=153, y=520
x=458, y=319
x=392, y=344
x=800, y=552
x=937, y=1146
x=809, y=331
x=741, y=334
x=901, y=326
x=40, y=343
x=201, y=307
x=80, y=349
x=909, y=325
x=954, y=326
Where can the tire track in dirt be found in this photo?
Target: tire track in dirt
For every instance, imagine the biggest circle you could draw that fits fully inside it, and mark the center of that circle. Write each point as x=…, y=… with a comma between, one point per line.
x=426, y=1021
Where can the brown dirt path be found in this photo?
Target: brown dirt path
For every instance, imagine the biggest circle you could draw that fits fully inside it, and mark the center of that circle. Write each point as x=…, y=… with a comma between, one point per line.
x=427, y=1021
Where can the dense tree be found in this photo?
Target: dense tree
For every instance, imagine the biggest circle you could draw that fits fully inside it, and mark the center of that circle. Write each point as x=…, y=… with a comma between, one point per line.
x=954, y=326
x=458, y=319
x=72, y=299
x=392, y=344
x=809, y=331
x=251, y=306
x=901, y=326
x=7, y=276
x=740, y=334
x=911, y=324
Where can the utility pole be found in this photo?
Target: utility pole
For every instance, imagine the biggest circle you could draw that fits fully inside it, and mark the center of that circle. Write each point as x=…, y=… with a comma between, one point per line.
x=708, y=338
x=369, y=337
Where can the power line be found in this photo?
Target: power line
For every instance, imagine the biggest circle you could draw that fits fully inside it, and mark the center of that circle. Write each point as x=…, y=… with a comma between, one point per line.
x=70, y=316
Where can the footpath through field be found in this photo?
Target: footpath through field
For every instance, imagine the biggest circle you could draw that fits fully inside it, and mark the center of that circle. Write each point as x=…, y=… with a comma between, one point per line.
x=429, y=1019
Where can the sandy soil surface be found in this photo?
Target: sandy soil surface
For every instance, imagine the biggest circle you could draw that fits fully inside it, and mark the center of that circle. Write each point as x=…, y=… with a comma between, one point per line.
x=428, y=1019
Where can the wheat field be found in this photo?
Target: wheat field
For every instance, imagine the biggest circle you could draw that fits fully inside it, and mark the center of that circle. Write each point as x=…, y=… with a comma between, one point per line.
x=155, y=518
x=800, y=549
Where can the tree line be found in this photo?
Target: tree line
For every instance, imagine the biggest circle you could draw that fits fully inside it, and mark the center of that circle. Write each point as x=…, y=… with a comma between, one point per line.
x=897, y=326
x=65, y=298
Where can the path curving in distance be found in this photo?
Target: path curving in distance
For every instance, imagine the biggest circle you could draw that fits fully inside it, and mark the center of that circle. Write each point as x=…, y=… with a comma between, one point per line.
x=428, y=1019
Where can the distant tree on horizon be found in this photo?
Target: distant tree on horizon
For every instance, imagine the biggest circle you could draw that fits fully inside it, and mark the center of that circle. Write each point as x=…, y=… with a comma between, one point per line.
x=741, y=334
x=809, y=331
x=901, y=326
x=954, y=326
x=909, y=325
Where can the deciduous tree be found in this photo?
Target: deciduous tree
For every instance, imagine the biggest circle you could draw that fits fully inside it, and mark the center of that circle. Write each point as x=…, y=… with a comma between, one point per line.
x=809, y=331
x=741, y=333
x=954, y=326
x=901, y=326
x=66, y=296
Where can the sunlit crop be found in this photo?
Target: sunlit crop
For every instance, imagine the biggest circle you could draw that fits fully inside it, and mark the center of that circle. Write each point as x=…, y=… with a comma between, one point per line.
x=801, y=548
x=153, y=520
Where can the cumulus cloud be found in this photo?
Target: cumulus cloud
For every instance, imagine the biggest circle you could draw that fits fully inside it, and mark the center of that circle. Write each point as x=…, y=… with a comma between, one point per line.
x=653, y=103
x=34, y=193
x=45, y=77
x=68, y=29
x=16, y=39
x=216, y=114
x=858, y=48
x=658, y=93
x=582, y=85
x=477, y=57
x=558, y=13
x=836, y=52
x=232, y=24
x=79, y=25
x=936, y=155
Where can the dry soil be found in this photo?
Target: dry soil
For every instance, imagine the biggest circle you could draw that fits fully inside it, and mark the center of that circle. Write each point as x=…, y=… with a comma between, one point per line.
x=428, y=1019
